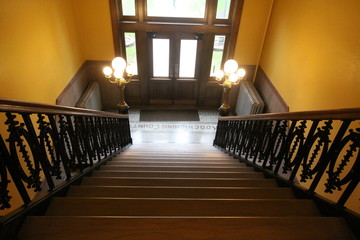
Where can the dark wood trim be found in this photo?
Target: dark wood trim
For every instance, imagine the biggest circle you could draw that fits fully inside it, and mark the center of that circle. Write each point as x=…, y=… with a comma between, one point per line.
x=115, y=27
x=78, y=82
x=11, y=105
x=235, y=18
x=332, y=114
x=272, y=98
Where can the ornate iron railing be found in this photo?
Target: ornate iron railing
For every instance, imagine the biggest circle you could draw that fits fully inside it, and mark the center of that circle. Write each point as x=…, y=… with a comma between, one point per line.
x=44, y=146
x=316, y=151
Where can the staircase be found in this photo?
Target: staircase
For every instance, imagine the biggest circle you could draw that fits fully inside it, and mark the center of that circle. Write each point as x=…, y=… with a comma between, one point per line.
x=180, y=192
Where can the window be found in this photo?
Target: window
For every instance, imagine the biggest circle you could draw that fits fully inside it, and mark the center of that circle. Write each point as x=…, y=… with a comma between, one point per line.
x=217, y=55
x=130, y=49
x=223, y=9
x=161, y=57
x=176, y=8
x=128, y=7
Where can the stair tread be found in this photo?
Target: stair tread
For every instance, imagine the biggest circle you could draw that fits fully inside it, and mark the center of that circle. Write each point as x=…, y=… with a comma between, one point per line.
x=280, y=228
x=176, y=174
x=84, y=206
x=186, y=164
x=180, y=192
x=186, y=182
x=163, y=168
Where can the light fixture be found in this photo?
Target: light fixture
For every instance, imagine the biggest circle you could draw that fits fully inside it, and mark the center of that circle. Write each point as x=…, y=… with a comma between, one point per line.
x=231, y=76
x=117, y=75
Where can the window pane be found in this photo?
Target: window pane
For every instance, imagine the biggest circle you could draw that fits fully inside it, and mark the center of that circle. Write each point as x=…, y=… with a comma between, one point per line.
x=217, y=56
x=128, y=7
x=176, y=8
x=222, y=10
x=188, y=49
x=161, y=57
x=130, y=47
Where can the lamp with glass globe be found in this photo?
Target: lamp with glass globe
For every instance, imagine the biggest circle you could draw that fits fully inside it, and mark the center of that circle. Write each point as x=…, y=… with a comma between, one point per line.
x=232, y=75
x=116, y=74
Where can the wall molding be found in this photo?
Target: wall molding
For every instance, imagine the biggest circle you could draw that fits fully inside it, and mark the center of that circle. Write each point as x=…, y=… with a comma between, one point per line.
x=274, y=102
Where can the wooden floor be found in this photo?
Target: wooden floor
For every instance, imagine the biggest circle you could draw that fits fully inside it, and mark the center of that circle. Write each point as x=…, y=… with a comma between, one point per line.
x=180, y=192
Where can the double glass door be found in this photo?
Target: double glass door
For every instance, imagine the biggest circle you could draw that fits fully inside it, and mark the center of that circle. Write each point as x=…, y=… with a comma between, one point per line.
x=174, y=67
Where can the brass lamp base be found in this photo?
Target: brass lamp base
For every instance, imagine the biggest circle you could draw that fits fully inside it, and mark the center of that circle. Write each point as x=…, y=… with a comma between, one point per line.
x=123, y=108
x=223, y=111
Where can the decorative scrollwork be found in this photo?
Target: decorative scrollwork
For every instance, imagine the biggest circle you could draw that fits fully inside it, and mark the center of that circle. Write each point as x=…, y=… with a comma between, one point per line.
x=16, y=142
x=334, y=182
x=4, y=192
x=47, y=141
x=321, y=141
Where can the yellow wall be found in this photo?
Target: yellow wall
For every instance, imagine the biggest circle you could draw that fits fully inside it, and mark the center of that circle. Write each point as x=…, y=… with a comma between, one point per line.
x=312, y=53
x=251, y=31
x=39, y=48
x=94, y=25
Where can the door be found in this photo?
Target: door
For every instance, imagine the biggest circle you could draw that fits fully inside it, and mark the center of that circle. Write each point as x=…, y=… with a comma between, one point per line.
x=174, y=67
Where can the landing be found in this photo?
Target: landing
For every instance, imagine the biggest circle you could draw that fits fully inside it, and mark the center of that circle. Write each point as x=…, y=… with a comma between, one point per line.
x=174, y=132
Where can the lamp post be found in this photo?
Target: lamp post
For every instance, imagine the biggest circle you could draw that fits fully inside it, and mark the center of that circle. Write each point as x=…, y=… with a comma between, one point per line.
x=232, y=75
x=116, y=75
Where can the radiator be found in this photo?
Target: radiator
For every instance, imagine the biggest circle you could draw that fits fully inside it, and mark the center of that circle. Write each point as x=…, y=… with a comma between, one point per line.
x=249, y=100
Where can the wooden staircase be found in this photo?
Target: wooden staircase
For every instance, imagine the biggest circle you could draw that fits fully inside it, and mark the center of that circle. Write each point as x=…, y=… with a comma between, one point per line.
x=180, y=192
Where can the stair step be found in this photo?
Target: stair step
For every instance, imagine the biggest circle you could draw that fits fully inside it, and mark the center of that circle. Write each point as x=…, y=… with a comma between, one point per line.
x=181, y=192
x=159, y=168
x=174, y=164
x=176, y=174
x=182, y=182
x=176, y=156
x=190, y=160
x=77, y=206
x=94, y=228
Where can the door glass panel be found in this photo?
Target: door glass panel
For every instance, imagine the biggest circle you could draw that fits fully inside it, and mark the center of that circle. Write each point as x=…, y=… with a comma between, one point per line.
x=128, y=7
x=176, y=8
x=223, y=8
x=218, y=51
x=130, y=47
x=161, y=56
x=188, y=49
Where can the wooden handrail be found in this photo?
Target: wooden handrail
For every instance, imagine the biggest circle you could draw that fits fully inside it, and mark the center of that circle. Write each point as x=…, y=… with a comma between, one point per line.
x=31, y=107
x=337, y=114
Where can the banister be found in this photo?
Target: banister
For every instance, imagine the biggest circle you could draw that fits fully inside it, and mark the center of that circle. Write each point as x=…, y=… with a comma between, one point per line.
x=25, y=106
x=335, y=114
x=321, y=148
x=45, y=148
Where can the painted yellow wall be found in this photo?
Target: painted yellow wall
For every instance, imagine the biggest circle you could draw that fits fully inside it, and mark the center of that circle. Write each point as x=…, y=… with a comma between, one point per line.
x=251, y=31
x=94, y=25
x=312, y=53
x=39, y=48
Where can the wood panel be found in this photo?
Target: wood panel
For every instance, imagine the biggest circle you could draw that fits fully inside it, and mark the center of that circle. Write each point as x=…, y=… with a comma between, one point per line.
x=272, y=98
x=74, y=89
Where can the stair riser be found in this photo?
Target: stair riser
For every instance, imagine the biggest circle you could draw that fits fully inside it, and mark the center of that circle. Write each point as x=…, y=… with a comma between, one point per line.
x=106, y=173
x=173, y=164
x=92, y=181
x=69, y=228
x=139, y=207
x=199, y=169
x=126, y=192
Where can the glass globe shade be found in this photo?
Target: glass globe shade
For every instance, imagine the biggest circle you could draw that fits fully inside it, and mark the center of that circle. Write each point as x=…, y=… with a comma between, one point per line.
x=230, y=66
x=130, y=70
x=233, y=77
x=241, y=73
x=107, y=71
x=118, y=74
x=118, y=63
x=219, y=74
